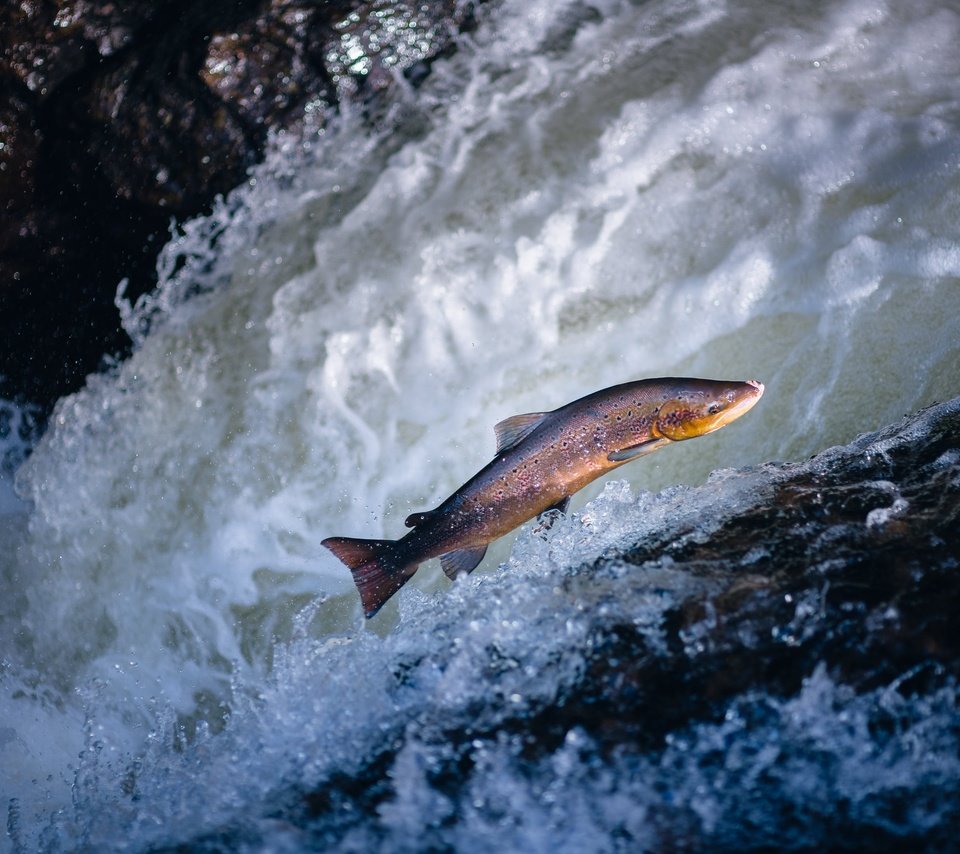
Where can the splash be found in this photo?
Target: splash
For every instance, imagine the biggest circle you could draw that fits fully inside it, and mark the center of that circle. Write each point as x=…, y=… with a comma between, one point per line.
x=574, y=695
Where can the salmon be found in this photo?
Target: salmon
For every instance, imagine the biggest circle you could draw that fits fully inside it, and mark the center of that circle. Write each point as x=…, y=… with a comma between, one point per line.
x=542, y=459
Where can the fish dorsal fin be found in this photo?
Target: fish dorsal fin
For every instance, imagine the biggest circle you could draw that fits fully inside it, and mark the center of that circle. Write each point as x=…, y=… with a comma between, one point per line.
x=415, y=519
x=462, y=562
x=512, y=431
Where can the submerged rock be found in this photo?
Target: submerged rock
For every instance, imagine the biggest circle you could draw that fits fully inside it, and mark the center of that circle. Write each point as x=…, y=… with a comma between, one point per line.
x=767, y=660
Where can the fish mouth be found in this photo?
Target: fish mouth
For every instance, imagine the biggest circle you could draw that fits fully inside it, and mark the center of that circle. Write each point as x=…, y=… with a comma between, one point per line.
x=746, y=399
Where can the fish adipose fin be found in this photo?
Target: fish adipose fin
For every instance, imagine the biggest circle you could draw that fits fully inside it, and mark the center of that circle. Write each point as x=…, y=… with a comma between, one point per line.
x=512, y=431
x=415, y=519
x=462, y=562
x=635, y=451
x=376, y=570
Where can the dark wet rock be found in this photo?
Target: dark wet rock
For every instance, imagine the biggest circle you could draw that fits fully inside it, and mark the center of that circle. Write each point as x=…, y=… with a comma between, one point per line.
x=46, y=42
x=115, y=118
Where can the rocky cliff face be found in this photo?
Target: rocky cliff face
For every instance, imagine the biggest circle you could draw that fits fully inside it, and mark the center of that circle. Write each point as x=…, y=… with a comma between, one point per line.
x=116, y=118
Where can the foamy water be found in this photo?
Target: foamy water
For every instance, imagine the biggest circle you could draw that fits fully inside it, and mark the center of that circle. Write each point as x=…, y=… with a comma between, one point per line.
x=569, y=202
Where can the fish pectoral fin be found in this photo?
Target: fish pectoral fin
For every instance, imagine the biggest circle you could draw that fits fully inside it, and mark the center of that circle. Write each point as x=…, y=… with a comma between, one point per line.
x=511, y=431
x=462, y=561
x=415, y=519
x=635, y=451
x=561, y=506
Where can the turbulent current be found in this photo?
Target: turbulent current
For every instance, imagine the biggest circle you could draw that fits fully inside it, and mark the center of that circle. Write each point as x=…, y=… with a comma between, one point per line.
x=583, y=194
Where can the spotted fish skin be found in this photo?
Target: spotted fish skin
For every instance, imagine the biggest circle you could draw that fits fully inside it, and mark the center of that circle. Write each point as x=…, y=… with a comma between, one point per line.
x=542, y=459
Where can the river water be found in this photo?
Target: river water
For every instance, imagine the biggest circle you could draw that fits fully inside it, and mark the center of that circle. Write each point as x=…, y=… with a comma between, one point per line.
x=582, y=195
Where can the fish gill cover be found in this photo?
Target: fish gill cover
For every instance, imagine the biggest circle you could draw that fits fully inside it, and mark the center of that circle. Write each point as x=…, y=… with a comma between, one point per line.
x=580, y=196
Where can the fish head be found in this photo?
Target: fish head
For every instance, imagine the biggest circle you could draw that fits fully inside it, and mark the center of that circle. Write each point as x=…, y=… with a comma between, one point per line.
x=704, y=406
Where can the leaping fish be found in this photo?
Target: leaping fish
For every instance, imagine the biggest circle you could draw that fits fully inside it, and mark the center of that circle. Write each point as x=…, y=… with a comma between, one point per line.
x=542, y=458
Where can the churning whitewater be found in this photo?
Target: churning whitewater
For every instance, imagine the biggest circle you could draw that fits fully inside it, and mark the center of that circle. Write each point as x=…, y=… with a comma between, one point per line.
x=581, y=195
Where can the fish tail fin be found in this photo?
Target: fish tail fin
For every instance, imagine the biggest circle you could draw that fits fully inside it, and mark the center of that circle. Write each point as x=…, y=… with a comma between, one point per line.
x=378, y=568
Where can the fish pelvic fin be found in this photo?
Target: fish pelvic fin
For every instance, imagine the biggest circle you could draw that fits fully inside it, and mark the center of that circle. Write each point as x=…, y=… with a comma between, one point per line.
x=561, y=506
x=376, y=565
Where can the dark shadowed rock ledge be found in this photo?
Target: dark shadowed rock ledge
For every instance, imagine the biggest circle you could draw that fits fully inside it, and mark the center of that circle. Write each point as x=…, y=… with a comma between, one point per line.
x=117, y=117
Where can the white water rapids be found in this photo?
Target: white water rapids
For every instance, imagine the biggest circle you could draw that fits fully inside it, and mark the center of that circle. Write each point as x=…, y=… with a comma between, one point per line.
x=580, y=196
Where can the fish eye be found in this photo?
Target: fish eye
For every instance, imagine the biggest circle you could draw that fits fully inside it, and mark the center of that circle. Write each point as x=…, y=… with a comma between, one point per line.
x=714, y=408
